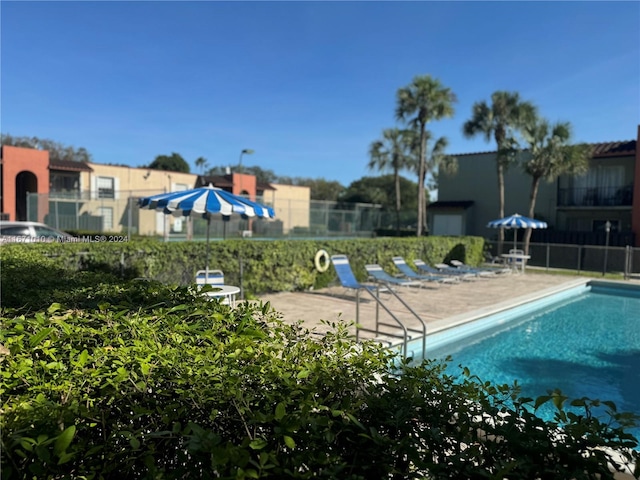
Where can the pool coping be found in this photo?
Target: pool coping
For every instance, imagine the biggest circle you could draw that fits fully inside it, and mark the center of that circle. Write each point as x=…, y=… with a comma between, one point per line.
x=467, y=317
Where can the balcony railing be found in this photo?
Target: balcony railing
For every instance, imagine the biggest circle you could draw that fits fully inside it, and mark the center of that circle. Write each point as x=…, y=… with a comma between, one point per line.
x=596, y=196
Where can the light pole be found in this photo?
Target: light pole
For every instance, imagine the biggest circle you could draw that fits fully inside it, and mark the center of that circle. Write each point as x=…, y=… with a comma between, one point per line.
x=607, y=228
x=247, y=151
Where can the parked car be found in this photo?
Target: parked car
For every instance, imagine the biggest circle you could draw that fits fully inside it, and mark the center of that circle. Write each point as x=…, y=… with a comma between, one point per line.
x=31, y=232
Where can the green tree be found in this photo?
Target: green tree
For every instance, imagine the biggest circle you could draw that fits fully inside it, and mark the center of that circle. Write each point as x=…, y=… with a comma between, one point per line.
x=506, y=115
x=437, y=161
x=320, y=188
x=392, y=152
x=172, y=163
x=57, y=151
x=202, y=164
x=551, y=155
x=423, y=100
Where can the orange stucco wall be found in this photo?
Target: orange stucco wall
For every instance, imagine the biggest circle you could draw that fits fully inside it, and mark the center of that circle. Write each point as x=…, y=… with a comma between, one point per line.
x=635, y=209
x=16, y=160
x=244, y=183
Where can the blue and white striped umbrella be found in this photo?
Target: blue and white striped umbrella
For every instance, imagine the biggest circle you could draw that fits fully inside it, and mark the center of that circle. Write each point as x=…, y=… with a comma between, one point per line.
x=516, y=221
x=205, y=202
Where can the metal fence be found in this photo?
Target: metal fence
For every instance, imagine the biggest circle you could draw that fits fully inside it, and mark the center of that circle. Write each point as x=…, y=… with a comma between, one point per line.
x=583, y=258
x=83, y=212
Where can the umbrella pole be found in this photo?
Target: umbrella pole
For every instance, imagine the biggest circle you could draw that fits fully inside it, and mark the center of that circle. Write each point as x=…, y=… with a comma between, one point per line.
x=208, y=234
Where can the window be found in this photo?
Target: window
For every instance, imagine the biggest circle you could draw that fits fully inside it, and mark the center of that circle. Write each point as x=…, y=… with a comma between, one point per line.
x=106, y=187
x=107, y=217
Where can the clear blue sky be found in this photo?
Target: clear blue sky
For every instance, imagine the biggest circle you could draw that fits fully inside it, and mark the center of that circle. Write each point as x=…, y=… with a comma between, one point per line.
x=307, y=85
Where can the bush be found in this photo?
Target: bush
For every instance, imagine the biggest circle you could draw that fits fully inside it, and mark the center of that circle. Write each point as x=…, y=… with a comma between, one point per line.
x=156, y=382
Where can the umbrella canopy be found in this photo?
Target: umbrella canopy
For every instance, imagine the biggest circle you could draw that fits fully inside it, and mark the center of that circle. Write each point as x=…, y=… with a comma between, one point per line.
x=516, y=221
x=205, y=202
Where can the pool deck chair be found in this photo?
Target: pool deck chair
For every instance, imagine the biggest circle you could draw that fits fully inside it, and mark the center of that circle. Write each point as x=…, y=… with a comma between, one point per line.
x=492, y=271
x=393, y=334
x=376, y=272
x=423, y=267
x=443, y=267
x=410, y=274
x=209, y=277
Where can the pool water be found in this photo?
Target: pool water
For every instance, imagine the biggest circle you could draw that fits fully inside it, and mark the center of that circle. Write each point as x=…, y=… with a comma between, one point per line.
x=586, y=346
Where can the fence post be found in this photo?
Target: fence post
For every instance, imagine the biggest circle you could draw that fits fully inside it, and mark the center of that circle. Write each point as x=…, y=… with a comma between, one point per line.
x=548, y=253
x=626, y=262
x=579, y=257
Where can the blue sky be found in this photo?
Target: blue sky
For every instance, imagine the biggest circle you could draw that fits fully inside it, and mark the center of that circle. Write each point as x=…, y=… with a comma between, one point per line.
x=307, y=85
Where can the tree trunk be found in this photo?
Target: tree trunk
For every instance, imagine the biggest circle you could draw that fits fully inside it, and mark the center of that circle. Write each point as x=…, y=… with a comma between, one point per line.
x=532, y=206
x=500, y=205
x=421, y=174
x=398, y=204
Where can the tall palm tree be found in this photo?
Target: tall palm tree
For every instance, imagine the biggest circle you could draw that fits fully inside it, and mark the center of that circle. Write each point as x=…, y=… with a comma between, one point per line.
x=437, y=162
x=202, y=164
x=551, y=155
x=506, y=115
x=423, y=100
x=392, y=152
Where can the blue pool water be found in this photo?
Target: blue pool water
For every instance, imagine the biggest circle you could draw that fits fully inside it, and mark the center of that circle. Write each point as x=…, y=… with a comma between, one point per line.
x=587, y=345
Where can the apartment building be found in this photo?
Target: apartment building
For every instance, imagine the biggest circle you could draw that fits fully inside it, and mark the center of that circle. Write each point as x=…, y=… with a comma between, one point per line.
x=608, y=192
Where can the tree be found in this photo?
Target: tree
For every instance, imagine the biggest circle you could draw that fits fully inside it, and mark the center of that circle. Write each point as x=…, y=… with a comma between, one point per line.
x=423, y=100
x=172, y=163
x=57, y=151
x=392, y=153
x=202, y=164
x=551, y=155
x=506, y=115
x=321, y=189
x=437, y=161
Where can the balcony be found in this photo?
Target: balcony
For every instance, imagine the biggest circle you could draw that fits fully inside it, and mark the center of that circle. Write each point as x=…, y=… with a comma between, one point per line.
x=596, y=196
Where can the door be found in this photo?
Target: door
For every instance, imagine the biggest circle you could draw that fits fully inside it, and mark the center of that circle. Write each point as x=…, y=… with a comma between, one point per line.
x=447, y=224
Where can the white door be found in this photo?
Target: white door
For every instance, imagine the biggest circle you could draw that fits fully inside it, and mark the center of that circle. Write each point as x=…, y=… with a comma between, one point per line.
x=447, y=224
x=160, y=223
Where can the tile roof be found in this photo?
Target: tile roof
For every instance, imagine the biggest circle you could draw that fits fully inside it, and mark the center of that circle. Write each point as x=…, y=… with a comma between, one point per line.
x=69, y=165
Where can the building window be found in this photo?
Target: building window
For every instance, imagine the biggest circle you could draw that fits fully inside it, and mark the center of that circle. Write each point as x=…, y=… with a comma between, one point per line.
x=106, y=187
x=107, y=217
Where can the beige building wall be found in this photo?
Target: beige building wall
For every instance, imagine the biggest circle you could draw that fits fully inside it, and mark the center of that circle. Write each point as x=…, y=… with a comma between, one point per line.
x=119, y=207
x=291, y=204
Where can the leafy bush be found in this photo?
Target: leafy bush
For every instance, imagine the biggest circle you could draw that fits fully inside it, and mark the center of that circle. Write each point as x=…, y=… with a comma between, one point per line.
x=149, y=381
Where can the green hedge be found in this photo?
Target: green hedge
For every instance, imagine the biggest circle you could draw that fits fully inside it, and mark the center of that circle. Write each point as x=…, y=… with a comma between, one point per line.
x=267, y=266
x=138, y=380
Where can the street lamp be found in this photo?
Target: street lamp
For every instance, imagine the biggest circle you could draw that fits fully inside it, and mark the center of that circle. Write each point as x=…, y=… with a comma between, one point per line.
x=607, y=229
x=247, y=151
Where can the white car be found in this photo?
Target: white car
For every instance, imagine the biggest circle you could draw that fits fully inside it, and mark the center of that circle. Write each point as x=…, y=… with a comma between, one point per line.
x=31, y=232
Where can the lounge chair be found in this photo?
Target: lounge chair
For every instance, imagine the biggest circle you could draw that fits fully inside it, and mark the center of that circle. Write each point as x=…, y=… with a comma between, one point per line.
x=492, y=271
x=346, y=276
x=209, y=277
x=443, y=267
x=422, y=266
x=410, y=274
x=376, y=272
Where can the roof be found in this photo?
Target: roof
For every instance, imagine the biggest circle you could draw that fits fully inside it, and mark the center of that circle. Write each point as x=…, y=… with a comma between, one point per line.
x=601, y=149
x=69, y=166
x=222, y=181
x=464, y=204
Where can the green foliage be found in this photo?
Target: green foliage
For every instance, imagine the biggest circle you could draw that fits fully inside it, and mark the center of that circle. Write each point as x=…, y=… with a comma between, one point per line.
x=57, y=151
x=32, y=274
x=156, y=382
x=172, y=163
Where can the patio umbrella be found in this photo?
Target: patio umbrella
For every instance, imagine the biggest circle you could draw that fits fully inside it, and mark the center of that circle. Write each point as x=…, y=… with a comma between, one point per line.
x=205, y=202
x=516, y=221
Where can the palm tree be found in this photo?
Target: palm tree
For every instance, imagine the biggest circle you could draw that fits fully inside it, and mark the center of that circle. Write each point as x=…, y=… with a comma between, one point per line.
x=551, y=155
x=202, y=164
x=437, y=162
x=506, y=115
x=392, y=153
x=423, y=100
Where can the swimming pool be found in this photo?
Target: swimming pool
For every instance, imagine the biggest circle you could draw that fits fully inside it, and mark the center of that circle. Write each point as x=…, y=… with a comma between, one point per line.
x=584, y=341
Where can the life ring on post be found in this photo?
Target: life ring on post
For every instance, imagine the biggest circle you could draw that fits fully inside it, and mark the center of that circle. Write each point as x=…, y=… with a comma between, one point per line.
x=322, y=261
